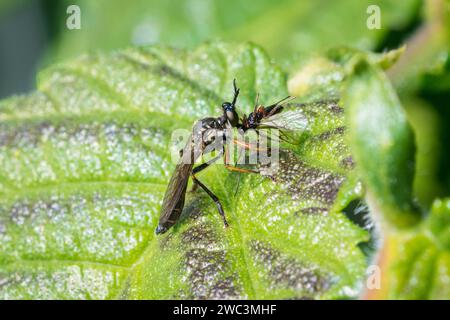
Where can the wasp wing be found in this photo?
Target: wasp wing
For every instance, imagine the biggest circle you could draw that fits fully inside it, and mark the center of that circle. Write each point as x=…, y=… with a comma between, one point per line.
x=289, y=119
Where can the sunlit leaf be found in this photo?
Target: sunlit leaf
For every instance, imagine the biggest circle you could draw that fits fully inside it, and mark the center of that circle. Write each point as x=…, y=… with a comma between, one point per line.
x=85, y=161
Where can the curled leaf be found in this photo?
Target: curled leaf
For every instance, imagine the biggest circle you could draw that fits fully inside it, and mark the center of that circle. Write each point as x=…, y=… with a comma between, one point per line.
x=322, y=75
x=382, y=143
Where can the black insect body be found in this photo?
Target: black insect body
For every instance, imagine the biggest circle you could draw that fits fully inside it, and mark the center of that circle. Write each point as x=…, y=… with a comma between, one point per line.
x=209, y=134
x=204, y=134
x=261, y=116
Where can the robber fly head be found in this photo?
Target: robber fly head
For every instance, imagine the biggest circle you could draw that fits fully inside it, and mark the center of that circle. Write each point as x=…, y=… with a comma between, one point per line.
x=230, y=113
x=229, y=108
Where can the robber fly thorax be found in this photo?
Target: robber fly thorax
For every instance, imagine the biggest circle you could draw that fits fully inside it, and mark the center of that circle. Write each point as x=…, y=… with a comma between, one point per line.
x=209, y=134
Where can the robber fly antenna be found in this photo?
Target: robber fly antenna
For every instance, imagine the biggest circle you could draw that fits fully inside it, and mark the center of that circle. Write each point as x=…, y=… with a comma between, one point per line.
x=229, y=112
x=236, y=93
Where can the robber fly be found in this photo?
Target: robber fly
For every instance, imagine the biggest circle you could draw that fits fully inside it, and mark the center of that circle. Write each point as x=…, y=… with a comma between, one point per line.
x=202, y=140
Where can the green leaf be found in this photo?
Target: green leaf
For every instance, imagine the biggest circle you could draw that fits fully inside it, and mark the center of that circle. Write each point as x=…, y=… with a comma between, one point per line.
x=382, y=143
x=422, y=270
x=86, y=160
x=426, y=124
x=427, y=50
x=321, y=75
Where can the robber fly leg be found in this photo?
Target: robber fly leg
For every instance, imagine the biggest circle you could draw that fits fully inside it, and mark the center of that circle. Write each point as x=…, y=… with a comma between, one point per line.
x=201, y=167
x=205, y=165
x=194, y=186
x=213, y=197
x=209, y=192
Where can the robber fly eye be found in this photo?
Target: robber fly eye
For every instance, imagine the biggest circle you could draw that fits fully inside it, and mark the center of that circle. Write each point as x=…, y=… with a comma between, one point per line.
x=230, y=113
x=227, y=106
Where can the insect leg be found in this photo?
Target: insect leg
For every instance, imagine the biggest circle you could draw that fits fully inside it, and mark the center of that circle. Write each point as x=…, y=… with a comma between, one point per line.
x=213, y=197
x=248, y=146
x=194, y=187
x=216, y=200
x=252, y=148
x=234, y=168
x=200, y=168
x=205, y=165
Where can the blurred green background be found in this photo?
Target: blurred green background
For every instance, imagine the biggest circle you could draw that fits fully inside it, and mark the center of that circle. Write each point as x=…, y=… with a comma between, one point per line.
x=33, y=34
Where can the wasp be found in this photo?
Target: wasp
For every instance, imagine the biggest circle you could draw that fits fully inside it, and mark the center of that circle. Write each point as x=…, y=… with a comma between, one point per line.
x=210, y=134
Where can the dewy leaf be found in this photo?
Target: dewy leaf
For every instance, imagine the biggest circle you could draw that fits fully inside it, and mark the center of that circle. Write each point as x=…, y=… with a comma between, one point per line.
x=85, y=161
x=382, y=143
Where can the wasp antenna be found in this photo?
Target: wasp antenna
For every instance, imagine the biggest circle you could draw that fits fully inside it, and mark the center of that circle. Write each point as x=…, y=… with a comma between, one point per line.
x=285, y=100
x=256, y=102
x=282, y=101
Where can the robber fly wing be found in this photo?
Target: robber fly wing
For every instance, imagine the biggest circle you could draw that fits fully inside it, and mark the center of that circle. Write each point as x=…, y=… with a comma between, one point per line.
x=174, y=197
x=173, y=201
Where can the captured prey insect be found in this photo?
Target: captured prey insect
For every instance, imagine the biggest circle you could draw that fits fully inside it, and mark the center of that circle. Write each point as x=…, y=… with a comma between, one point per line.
x=210, y=134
